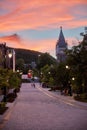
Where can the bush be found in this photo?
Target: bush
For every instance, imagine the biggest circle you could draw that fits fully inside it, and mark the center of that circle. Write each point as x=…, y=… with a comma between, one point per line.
x=2, y=104
x=11, y=97
x=3, y=107
x=81, y=97
x=17, y=90
x=54, y=88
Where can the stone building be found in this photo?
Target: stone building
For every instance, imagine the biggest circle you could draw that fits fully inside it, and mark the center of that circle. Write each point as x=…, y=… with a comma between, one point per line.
x=3, y=51
x=61, y=46
x=7, y=57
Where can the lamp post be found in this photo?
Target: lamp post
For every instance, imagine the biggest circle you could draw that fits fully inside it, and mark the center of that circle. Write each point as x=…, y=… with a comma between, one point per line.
x=73, y=78
x=13, y=60
x=4, y=93
x=49, y=72
x=39, y=65
x=10, y=55
x=67, y=67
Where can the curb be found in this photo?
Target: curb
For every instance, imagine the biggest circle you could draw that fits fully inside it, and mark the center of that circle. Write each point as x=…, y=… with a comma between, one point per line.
x=68, y=100
x=5, y=117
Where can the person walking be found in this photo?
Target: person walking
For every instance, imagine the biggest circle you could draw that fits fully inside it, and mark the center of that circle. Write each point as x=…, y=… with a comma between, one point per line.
x=34, y=85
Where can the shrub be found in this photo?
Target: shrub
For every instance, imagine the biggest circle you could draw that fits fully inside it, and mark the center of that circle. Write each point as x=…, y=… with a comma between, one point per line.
x=81, y=97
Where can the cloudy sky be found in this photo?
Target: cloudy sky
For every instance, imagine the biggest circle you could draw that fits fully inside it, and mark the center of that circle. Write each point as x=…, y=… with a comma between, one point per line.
x=35, y=24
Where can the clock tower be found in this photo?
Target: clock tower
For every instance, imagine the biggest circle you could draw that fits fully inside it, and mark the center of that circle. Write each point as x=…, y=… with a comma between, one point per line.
x=61, y=46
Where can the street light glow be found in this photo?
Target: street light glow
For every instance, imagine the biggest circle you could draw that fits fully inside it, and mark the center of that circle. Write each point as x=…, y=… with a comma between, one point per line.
x=49, y=72
x=67, y=66
x=10, y=55
x=73, y=78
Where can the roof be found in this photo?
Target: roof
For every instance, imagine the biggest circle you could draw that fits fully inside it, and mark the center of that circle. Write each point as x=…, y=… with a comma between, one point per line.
x=61, y=42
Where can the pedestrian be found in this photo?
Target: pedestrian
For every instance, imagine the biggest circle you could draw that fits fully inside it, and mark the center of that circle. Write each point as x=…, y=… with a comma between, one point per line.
x=34, y=85
x=69, y=89
x=31, y=84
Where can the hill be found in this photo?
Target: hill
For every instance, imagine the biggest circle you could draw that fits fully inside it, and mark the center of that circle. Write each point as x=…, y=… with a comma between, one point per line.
x=29, y=55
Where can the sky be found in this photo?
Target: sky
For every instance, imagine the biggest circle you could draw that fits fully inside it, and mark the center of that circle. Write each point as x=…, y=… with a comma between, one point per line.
x=35, y=24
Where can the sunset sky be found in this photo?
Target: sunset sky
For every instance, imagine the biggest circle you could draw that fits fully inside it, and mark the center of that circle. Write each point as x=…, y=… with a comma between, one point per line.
x=35, y=24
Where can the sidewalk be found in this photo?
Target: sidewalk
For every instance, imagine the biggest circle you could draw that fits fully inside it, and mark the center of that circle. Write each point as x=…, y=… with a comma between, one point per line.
x=46, y=110
x=67, y=99
x=7, y=113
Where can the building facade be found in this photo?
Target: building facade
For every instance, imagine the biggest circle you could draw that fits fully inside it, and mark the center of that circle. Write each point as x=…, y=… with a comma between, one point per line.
x=61, y=46
x=7, y=57
x=3, y=52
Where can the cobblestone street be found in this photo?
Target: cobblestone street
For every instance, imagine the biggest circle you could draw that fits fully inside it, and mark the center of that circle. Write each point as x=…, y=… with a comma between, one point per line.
x=36, y=110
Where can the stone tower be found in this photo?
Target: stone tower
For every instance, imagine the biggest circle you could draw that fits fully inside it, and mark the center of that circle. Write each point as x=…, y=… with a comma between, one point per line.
x=61, y=46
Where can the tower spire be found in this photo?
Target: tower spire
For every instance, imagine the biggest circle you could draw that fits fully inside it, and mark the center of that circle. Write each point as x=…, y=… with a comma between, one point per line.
x=61, y=41
x=60, y=27
x=61, y=46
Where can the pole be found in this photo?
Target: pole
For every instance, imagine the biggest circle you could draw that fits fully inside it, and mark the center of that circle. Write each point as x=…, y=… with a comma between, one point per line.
x=13, y=60
x=4, y=99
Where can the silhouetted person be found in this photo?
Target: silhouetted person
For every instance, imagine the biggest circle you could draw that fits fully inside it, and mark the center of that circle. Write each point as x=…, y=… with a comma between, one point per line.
x=70, y=89
x=34, y=85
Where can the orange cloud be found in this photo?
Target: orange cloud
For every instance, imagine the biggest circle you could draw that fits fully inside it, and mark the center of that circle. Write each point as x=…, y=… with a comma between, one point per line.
x=12, y=40
x=47, y=45
x=40, y=45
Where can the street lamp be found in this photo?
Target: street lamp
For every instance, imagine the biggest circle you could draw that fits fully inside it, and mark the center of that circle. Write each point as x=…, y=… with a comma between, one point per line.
x=10, y=55
x=49, y=72
x=73, y=78
x=69, y=81
x=67, y=67
x=13, y=60
x=38, y=65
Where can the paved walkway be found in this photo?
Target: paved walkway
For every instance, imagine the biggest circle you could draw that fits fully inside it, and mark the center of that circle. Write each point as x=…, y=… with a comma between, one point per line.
x=66, y=99
x=38, y=109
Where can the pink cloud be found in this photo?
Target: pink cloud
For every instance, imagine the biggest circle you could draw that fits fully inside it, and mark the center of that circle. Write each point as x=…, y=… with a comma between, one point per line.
x=35, y=14
x=71, y=41
x=12, y=40
x=47, y=45
x=17, y=15
x=40, y=45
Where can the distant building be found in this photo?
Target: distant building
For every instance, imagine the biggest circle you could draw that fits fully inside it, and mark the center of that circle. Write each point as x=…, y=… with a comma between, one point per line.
x=5, y=60
x=3, y=55
x=33, y=64
x=61, y=46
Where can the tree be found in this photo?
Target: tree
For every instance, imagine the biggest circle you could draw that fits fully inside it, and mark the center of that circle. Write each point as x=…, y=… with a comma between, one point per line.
x=14, y=81
x=45, y=59
x=77, y=60
x=8, y=80
x=20, y=64
x=45, y=73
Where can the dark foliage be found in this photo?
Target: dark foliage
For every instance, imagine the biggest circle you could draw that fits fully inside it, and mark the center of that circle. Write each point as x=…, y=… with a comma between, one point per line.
x=27, y=55
x=3, y=110
x=11, y=97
